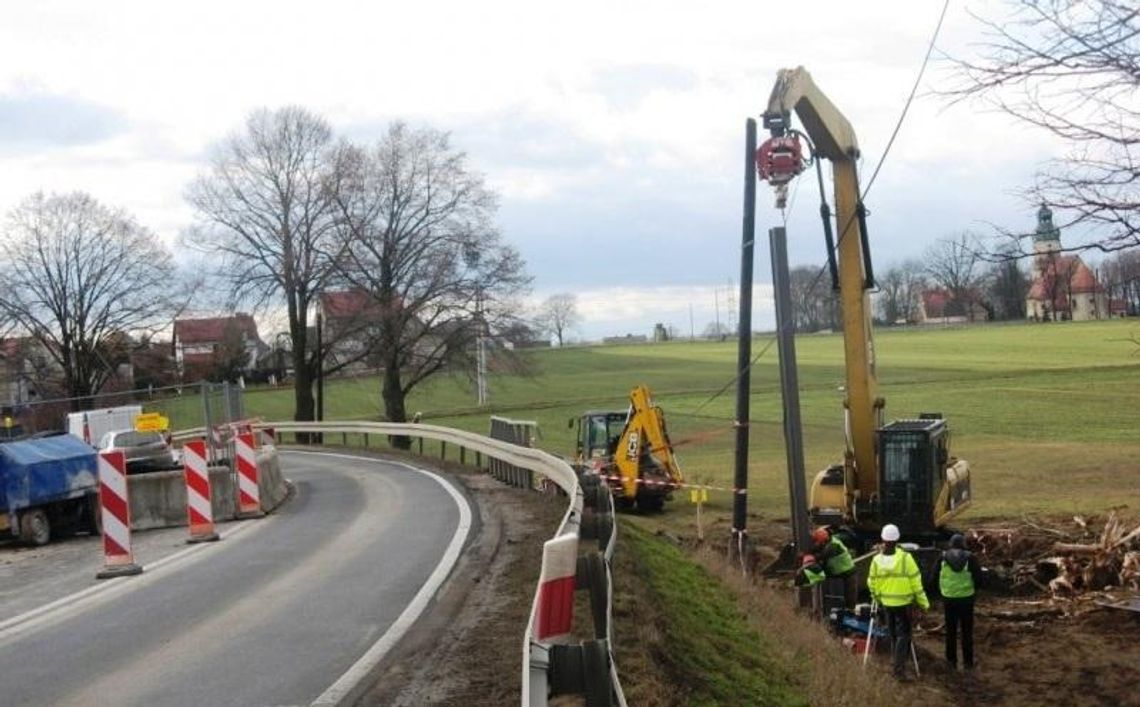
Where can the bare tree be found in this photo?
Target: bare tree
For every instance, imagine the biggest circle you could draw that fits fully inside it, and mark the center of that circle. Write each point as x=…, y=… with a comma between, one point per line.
x=558, y=313
x=954, y=265
x=79, y=277
x=814, y=304
x=266, y=206
x=416, y=228
x=1007, y=286
x=900, y=290
x=1071, y=68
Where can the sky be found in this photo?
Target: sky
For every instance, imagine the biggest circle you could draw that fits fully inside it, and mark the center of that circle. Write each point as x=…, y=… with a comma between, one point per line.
x=613, y=131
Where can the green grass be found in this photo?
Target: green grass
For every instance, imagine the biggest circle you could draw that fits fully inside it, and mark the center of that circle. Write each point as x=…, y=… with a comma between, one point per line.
x=1044, y=412
x=715, y=653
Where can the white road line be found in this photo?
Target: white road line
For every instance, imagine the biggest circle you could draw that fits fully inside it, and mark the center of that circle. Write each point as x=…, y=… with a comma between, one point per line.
x=360, y=670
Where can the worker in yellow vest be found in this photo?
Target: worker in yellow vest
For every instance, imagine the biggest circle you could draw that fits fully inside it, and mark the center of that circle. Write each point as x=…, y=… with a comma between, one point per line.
x=958, y=575
x=896, y=584
x=830, y=552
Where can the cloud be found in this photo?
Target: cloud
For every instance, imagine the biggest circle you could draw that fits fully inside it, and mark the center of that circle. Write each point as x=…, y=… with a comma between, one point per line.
x=35, y=119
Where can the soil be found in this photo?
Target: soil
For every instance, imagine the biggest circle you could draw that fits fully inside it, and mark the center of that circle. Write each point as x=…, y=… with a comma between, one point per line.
x=1030, y=649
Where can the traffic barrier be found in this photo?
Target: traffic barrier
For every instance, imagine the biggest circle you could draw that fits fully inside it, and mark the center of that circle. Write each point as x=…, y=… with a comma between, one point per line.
x=249, y=494
x=556, y=587
x=269, y=436
x=114, y=499
x=199, y=510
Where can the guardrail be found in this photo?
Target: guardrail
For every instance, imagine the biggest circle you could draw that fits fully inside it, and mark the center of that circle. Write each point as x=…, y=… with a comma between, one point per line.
x=550, y=664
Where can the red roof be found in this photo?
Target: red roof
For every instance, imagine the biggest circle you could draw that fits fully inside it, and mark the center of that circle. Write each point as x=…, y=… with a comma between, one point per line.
x=934, y=303
x=349, y=303
x=1081, y=279
x=213, y=329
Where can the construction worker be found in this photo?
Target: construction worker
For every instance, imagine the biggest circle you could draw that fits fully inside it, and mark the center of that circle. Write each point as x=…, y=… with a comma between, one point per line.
x=958, y=576
x=830, y=552
x=896, y=584
x=810, y=573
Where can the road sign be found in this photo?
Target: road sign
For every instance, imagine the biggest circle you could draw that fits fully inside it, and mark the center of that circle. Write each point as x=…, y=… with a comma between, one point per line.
x=151, y=422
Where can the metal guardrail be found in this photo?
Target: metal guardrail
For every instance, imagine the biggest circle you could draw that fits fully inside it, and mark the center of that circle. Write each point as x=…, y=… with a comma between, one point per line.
x=547, y=667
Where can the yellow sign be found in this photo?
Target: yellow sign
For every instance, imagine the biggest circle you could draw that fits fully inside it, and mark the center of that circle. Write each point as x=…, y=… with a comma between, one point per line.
x=151, y=422
x=699, y=495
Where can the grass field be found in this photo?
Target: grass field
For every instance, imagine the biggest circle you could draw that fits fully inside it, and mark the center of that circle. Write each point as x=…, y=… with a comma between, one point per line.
x=1045, y=413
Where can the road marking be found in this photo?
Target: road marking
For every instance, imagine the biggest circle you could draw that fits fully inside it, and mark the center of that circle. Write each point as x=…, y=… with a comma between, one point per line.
x=108, y=588
x=360, y=670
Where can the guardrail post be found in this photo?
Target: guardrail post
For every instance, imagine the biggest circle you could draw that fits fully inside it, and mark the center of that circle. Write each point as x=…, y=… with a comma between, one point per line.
x=582, y=669
x=421, y=446
x=366, y=440
x=463, y=455
x=591, y=575
x=442, y=450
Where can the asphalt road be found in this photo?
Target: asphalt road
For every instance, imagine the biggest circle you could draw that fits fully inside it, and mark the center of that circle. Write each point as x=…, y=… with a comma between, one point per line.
x=293, y=610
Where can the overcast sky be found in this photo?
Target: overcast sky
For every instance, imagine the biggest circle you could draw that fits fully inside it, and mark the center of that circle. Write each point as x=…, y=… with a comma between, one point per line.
x=613, y=131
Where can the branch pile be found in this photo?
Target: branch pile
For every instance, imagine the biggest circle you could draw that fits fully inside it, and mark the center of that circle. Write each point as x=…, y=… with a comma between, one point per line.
x=1063, y=563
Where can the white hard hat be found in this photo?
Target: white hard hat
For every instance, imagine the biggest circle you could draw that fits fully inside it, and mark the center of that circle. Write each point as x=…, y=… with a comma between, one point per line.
x=890, y=533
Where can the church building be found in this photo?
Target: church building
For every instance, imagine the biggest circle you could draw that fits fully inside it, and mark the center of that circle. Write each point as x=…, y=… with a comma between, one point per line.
x=1062, y=286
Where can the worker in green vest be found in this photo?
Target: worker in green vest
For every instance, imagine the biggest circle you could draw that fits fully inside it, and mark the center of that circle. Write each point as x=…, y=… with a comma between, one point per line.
x=896, y=585
x=958, y=575
x=830, y=552
x=810, y=573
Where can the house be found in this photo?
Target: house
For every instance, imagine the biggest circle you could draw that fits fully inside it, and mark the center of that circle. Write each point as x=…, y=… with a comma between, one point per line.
x=1063, y=286
x=939, y=306
x=205, y=348
x=351, y=321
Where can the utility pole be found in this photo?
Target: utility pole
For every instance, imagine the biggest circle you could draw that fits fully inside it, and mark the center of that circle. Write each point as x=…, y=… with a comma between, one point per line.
x=744, y=351
x=692, y=331
x=480, y=352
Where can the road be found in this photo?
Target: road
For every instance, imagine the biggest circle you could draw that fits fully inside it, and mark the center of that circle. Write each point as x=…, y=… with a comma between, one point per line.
x=291, y=611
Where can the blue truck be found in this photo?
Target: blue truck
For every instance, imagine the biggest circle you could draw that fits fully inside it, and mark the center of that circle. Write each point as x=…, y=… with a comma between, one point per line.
x=48, y=486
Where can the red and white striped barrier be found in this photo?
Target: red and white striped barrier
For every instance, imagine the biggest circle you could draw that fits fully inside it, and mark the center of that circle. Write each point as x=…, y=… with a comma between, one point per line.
x=556, y=587
x=116, y=517
x=199, y=510
x=269, y=436
x=249, y=493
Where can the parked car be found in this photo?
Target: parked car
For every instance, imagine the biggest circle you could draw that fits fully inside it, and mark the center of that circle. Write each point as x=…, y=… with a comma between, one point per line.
x=145, y=451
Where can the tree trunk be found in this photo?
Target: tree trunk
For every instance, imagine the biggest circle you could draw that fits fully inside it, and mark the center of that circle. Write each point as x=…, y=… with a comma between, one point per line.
x=393, y=395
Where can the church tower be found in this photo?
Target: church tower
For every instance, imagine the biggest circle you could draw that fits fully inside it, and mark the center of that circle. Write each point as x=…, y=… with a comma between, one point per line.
x=1046, y=239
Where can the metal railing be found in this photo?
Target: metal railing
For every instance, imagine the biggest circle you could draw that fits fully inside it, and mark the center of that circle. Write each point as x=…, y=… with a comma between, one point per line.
x=547, y=668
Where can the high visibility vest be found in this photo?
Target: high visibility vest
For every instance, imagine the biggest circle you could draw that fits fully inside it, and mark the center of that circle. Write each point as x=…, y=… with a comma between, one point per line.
x=898, y=584
x=842, y=563
x=813, y=577
x=955, y=585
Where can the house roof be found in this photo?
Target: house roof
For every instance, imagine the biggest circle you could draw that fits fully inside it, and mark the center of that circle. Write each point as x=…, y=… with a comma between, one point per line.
x=213, y=329
x=934, y=303
x=345, y=304
x=1081, y=280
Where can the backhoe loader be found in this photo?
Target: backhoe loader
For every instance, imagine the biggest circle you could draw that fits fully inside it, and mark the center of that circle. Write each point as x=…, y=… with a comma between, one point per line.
x=630, y=450
x=901, y=472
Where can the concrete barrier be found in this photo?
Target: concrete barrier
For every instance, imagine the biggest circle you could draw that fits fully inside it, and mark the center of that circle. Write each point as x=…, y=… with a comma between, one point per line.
x=158, y=499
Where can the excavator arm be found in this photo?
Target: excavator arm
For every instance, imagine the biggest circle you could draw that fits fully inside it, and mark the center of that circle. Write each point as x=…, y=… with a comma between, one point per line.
x=833, y=137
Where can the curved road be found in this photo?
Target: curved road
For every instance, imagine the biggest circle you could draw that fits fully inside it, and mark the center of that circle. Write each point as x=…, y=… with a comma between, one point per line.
x=273, y=616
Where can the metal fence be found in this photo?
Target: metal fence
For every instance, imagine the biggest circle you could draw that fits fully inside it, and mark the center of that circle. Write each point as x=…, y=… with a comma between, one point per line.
x=197, y=405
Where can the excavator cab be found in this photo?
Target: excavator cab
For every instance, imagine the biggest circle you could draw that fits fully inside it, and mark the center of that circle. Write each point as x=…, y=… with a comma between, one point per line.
x=910, y=452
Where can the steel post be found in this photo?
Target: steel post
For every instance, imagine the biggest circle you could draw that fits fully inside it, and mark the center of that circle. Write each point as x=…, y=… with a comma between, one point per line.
x=744, y=345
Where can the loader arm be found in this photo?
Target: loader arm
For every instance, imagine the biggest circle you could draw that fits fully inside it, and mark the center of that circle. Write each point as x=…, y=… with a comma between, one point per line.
x=644, y=455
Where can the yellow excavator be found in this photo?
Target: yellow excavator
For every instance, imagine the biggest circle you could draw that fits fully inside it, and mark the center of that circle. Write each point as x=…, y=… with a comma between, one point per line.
x=630, y=450
x=901, y=472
